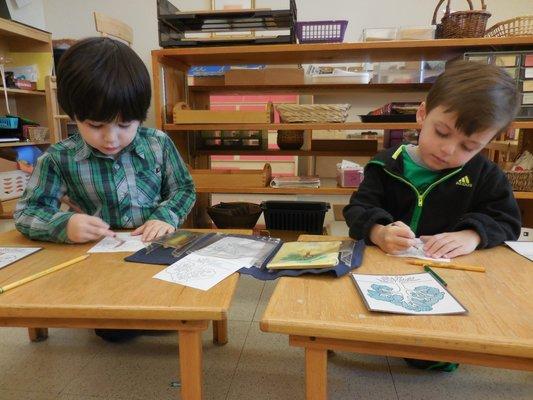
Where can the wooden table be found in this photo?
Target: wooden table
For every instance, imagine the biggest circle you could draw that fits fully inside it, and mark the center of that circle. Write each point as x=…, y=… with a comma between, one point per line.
x=106, y=292
x=321, y=313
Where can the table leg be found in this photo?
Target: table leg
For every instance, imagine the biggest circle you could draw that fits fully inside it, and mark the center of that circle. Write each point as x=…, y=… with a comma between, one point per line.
x=316, y=374
x=38, y=334
x=190, y=351
x=220, y=331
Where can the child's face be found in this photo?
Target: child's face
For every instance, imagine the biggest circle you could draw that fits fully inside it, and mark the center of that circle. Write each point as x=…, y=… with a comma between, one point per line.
x=441, y=145
x=108, y=137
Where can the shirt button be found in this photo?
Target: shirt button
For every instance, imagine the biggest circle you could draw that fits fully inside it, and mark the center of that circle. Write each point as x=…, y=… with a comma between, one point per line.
x=117, y=167
x=125, y=218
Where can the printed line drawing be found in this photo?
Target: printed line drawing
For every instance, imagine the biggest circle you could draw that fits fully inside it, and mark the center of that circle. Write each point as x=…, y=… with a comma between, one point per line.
x=198, y=269
x=399, y=291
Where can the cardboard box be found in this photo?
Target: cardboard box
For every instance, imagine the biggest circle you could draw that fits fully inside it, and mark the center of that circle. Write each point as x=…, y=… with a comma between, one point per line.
x=265, y=76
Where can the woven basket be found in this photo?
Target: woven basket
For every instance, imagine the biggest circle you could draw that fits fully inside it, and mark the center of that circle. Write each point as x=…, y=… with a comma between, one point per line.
x=461, y=24
x=521, y=181
x=313, y=112
x=519, y=26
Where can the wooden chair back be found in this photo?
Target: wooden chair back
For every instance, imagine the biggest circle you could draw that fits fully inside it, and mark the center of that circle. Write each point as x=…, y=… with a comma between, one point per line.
x=109, y=26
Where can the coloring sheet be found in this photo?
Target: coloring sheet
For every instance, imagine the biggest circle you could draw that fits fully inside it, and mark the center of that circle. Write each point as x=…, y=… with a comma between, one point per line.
x=9, y=255
x=199, y=271
x=416, y=294
x=240, y=250
x=123, y=242
x=523, y=248
x=417, y=251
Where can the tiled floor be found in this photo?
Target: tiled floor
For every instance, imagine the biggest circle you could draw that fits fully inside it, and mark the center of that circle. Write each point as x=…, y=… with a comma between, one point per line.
x=77, y=365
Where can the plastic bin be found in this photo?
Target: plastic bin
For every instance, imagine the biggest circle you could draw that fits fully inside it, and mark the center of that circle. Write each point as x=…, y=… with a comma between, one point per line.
x=321, y=31
x=306, y=216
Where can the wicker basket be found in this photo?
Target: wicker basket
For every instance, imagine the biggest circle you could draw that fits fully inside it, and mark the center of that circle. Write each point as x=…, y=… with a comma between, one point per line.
x=313, y=112
x=37, y=133
x=519, y=26
x=461, y=24
x=521, y=181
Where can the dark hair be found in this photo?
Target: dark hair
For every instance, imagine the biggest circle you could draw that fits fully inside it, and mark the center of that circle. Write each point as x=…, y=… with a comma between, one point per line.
x=483, y=96
x=100, y=79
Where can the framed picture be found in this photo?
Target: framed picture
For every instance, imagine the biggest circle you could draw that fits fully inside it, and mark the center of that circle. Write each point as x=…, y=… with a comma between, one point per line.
x=221, y=5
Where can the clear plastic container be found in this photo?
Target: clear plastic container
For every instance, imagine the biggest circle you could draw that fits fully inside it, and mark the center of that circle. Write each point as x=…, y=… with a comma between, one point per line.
x=379, y=34
x=416, y=33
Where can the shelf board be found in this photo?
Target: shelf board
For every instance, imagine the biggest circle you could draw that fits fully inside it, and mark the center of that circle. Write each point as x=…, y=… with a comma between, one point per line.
x=523, y=195
x=323, y=190
x=20, y=92
x=16, y=144
x=397, y=50
x=303, y=126
x=273, y=152
x=198, y=86
x=24, y=36
x=311, y=126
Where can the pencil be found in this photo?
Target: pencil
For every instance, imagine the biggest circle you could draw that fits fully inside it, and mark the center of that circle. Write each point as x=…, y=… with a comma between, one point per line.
x=30, y=278
x=463, y=267
x=435, y=275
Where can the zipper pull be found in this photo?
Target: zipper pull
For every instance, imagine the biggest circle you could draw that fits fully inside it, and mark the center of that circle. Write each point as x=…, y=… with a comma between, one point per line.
x=420, y=201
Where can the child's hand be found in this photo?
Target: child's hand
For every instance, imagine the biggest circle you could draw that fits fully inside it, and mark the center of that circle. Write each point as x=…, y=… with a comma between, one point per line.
x=152, y=229
x=392, y=238
x=82, y=228
x=451, y=244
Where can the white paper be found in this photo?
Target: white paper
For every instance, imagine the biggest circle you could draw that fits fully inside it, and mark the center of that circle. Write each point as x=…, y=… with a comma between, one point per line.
x=9, y=255
x=123, y=242
x=417, y=251
x=197, y=271
x=416, y=294
x=523, y=248
x=240, y=251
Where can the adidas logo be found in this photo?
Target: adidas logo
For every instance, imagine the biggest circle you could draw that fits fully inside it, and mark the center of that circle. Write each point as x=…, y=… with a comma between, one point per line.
x=464, y=181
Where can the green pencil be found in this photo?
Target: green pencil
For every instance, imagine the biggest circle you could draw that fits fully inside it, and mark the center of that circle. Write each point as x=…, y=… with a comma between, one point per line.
x=435, y=275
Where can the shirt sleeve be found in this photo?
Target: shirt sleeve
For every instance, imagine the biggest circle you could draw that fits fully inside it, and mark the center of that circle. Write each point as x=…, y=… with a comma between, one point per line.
x=37, y=214
x=177, y=188
x=366, y=206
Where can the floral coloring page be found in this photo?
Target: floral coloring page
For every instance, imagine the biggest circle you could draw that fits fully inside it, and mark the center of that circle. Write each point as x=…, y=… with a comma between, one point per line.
x=417, y=251
x=122, y=242
x=417, y=294
x=198, y=271
x=9, y=255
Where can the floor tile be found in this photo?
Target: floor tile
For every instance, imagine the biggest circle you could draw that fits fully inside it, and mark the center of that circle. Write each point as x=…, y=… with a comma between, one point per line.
x=146, y=367
x=20, y=395
x=467, y=382
x=246, y=298
x=271, y=369
x=46, y=366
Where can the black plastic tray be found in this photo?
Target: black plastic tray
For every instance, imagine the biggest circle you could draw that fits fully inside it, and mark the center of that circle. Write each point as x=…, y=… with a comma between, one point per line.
x=389, y=118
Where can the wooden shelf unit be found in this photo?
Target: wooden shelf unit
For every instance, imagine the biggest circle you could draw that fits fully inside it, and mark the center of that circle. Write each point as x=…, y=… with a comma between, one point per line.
x=170, y=66
x=16, y=144
x=16, y=37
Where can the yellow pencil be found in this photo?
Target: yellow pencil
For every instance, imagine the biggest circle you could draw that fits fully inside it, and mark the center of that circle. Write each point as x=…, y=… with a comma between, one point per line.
x=42, y=273
x=447, y=265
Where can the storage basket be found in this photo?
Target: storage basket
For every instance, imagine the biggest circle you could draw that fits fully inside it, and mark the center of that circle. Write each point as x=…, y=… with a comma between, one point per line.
x=519, y=26
x=305, y=216
x=12, y=184
x=521, y=181
x=235, y=215
x=321, y=31
x=37, y=133
x=461, y=24
x=313, y=112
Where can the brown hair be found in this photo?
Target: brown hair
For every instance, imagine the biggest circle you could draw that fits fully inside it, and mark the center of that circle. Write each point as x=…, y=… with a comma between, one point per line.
x=483, y=96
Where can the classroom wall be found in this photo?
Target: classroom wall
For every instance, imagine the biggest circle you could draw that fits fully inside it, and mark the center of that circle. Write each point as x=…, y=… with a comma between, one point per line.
x=73, y=18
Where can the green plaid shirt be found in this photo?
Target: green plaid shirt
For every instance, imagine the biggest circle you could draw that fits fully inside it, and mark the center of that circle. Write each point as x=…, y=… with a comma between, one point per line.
x=148, y=180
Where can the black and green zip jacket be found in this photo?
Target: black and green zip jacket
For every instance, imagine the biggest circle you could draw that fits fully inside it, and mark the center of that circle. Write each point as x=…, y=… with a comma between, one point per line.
x=475, y=196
